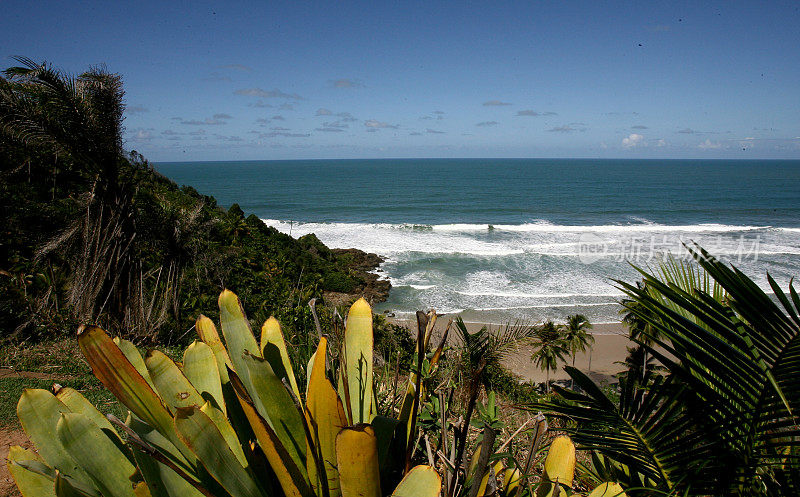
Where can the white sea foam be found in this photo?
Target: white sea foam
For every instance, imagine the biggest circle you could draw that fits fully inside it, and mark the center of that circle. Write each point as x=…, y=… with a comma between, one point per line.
x=522, y=295
x=544, y=306
x=538, y=226
x=524, y=270
x=545, y=227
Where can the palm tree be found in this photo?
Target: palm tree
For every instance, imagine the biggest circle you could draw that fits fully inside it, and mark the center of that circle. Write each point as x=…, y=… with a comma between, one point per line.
x=479, y=351
x=79, y=120
x=576, y=336
x=550, y=349
x=723, y=418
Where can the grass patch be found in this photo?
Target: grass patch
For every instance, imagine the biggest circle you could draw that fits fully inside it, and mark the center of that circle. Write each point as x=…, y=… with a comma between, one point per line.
x=60, y=358
x=11, y=389
x=62, y=362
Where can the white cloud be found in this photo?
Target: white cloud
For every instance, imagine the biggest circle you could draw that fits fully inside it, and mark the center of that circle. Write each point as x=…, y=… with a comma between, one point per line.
x=709, y=145
x=258, y=92
x=135, y=109
x=375, y=124
x=533, y=113
x=632, y=140
x=495, y=103
x=205, y=122
x=323, y=112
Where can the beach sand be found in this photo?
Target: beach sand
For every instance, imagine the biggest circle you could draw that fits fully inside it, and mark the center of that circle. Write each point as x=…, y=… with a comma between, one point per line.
x=611, y=342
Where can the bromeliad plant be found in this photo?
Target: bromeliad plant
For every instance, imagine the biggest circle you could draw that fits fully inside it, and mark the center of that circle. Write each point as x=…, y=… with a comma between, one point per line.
x=229, y=420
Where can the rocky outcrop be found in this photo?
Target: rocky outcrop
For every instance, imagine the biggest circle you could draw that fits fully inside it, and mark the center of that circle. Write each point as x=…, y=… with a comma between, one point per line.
x=362, y=265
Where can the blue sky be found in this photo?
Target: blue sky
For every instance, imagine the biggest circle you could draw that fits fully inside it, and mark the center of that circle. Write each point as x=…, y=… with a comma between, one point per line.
x=283, y=80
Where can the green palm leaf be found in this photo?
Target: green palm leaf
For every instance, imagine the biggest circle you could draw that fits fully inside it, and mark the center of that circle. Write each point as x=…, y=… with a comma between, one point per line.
x=723, y=420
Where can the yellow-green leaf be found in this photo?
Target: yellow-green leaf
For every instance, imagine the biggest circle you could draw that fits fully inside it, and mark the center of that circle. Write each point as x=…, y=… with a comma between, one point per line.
x=511, y=480
x=170, y=381
x=24, y=461
x=560, y=462
x=78, y=403
x=357, y=458
x=498, y=467
x=293, y=481
x=29, y=483
x=119, y=376
x=608, y=489
x=200, y=368
x=273, y=349
x=327, y=418
x=421, y=481
x=105, y=464
x=39, y=411
x=559, y=467
x=276, y=406
x=208, y=334
x=137, y=361
x=161, y=479
x=238, y=334
x=358, y=342
x=64, y=488
x=225, y=428
x=201, y=435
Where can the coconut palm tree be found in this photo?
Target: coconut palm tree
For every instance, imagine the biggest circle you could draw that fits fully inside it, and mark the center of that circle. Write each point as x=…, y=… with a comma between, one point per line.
x=577, y=337
x=549, y=349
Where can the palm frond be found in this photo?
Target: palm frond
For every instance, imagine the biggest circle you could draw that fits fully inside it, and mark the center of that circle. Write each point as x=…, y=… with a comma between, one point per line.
x=727, y=409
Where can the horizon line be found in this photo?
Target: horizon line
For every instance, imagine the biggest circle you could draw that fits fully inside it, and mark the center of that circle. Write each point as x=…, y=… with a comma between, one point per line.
x=750, y=159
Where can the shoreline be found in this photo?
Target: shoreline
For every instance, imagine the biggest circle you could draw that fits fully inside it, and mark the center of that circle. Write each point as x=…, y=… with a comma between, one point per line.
x=610, y=347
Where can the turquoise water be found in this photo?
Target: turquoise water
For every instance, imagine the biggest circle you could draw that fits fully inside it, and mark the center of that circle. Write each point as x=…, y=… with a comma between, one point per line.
x=530, y=239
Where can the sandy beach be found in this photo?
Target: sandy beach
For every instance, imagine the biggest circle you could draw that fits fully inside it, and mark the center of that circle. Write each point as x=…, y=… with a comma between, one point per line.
x=610, y=347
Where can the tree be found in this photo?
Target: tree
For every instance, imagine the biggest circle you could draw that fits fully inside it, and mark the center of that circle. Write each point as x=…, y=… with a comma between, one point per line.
x=549, y=349
x=576, y=335
x=79, y=121
x=478, y=351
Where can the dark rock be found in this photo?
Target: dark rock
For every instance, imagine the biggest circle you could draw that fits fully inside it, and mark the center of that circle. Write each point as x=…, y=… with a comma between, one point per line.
x=361, y=266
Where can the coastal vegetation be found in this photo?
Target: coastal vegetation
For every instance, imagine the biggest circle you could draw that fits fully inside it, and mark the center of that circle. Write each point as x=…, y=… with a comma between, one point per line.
x=92, y=233
x=230, y=419
x=326, y=399
x=719, y=414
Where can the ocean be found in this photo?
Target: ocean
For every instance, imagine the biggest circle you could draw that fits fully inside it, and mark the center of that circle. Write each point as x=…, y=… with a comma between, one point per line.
x=501, y=240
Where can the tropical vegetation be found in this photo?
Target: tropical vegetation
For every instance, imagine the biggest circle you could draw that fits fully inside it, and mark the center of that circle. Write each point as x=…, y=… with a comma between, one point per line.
x=722, y=418
x=320, y=404
x=550, y=349
x=234, y=419
x=92, y=233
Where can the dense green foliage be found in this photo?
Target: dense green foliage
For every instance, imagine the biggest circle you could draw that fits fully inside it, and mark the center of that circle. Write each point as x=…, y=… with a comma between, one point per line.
x=93, y=234
x=718, y=416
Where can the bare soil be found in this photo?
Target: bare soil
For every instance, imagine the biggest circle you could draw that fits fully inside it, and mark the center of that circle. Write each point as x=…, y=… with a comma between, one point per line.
x=10, y=435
